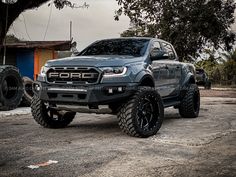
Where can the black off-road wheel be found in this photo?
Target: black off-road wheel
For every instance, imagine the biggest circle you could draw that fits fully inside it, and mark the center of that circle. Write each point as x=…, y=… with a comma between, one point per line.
x=48, y=117
x=207, y=86
x=142, y=115
x=11, y=88
x=28, y=92
x=190, y=105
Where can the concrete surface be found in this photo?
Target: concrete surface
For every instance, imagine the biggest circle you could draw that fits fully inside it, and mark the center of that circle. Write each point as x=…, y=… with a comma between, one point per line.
x=93, y=145
x=15, y=112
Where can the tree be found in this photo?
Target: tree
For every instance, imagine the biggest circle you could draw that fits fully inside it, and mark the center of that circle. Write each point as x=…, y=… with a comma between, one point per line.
x=11, y=39
x=221, y=69
x=15, y=9
x=229, y=66
x=188, y=24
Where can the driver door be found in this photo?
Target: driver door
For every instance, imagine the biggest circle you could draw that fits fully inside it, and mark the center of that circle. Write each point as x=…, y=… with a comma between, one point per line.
x=160, y=71
x=174, y=70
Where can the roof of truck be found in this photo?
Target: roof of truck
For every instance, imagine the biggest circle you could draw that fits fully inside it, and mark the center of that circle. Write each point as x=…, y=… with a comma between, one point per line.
x=148, y=38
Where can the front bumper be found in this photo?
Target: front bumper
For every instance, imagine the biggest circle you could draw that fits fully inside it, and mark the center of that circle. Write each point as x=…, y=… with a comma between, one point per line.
x=84, y=95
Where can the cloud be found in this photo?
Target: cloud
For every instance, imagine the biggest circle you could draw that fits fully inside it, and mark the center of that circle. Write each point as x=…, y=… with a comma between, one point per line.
x=96, y=22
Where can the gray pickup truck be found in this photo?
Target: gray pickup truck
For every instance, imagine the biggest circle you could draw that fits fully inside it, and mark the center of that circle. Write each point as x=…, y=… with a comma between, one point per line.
x=136, y=77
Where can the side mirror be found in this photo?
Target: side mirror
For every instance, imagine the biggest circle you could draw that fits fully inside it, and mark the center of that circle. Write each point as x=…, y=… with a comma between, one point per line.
x=158, y=55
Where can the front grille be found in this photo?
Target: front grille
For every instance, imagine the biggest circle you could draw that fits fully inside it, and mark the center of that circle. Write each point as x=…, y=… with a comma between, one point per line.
x=73, y=75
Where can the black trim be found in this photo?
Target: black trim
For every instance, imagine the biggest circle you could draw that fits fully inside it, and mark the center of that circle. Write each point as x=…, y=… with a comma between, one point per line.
x=84, y=95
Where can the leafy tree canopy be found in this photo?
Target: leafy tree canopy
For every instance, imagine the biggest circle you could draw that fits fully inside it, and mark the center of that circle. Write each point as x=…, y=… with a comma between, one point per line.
x=12, y=39
x=188, y=24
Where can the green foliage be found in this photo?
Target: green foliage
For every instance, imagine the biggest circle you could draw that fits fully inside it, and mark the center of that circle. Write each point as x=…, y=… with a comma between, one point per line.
x=11, y=39
x=188, y=24
x=220, y=70
x=229, y=67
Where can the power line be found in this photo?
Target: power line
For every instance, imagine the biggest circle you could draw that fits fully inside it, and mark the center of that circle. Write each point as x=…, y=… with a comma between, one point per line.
x=49, y=19
x=26, y=30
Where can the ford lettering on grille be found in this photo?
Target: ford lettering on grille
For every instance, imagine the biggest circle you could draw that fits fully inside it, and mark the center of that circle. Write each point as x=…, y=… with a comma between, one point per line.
x=72, y=75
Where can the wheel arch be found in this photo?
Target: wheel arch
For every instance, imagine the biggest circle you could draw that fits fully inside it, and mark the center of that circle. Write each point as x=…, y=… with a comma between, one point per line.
x=189, y=79
x=147, y=80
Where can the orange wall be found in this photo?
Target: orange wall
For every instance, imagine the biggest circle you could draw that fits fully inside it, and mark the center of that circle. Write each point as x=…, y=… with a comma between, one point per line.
x=41, y=56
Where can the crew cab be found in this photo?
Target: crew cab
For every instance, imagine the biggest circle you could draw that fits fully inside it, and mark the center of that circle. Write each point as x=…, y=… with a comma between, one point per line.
x=136, y=77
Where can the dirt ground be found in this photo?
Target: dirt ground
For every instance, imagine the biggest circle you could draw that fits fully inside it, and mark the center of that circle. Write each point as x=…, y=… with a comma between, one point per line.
x=93, y=145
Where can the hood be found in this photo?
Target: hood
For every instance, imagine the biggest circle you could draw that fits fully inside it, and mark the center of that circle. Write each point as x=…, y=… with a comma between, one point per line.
x=94, y=61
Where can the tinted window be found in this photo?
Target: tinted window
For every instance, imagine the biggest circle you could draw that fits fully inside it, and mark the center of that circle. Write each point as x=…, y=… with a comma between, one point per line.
x=168, y=48
x=199, y=71
x=131, y=47
x=156, y=46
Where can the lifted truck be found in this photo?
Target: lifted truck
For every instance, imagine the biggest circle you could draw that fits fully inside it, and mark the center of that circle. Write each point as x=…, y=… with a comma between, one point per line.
x=136, y=77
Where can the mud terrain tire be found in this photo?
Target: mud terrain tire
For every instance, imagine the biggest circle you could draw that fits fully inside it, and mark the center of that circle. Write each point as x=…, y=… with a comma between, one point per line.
x=207, y=85
x=28, y=92
x=48, y=117
x=11, y=88
x=142, y=115
x=190, y=105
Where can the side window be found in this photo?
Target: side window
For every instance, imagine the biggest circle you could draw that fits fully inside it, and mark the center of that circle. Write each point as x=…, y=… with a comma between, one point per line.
x=156, y=46
x=168, y=48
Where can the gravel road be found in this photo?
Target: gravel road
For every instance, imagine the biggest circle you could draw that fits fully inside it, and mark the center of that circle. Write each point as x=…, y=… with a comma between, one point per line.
x=93, y=145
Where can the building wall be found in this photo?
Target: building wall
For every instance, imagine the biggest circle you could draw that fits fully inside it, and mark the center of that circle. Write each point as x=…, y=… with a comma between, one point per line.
x=10, y=57
x=25, y=62
x=28, y=61
x=41, y=56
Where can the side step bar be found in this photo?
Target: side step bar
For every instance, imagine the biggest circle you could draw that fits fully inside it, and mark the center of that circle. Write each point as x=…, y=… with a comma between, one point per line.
x=168, y=103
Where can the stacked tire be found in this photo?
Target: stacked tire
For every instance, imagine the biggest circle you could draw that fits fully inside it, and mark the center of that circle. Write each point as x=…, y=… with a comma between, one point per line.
x=28, y=92
x=11, y=88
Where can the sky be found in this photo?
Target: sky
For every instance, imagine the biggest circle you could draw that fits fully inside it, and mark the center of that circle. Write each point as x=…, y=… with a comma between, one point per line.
x=89, y=25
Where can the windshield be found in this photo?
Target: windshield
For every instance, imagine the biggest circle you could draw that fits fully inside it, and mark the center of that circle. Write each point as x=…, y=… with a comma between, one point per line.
x=199, y=71
x=131, y=47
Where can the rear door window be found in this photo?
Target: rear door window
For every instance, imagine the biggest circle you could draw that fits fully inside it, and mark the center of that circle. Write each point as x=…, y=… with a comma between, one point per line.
x=169, y=49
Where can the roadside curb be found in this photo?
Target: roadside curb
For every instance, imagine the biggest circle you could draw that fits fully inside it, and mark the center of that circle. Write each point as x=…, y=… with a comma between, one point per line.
x=219, y=89
x=15, y=112
x=224, y=89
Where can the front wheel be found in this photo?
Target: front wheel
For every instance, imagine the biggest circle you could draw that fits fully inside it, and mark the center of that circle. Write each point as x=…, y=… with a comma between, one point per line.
x=142, y=115
x=48, y=117
x=190, y=105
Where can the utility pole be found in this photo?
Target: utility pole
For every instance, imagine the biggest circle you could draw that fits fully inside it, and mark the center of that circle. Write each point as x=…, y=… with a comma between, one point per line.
x=5, y=41
x=70, y=30
x=7, y=2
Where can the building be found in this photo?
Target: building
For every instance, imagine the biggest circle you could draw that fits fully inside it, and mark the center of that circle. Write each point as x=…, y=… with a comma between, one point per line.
x=30, y=56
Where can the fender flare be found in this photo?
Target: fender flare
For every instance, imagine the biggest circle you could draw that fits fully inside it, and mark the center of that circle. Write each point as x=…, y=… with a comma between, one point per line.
x=144, y=75
x=189, y=79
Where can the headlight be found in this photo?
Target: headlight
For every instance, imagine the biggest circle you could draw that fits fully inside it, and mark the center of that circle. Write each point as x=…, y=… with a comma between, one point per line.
x=43, y=71
x=114, y=71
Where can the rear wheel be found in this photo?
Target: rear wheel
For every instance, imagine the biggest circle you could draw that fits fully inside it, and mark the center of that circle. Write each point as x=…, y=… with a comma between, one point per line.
x=208, y=85
x=143, y=114
x=190, y=105
x=48, y=117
